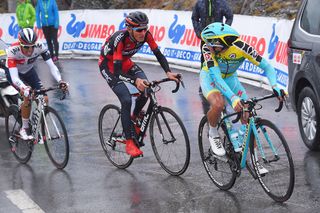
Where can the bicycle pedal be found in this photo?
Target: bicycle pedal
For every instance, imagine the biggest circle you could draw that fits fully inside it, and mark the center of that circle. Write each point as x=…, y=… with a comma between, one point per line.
x=139, y=156
x=141, y=144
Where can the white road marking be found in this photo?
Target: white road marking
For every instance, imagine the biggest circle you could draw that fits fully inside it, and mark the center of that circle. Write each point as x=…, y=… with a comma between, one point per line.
x=23, y=201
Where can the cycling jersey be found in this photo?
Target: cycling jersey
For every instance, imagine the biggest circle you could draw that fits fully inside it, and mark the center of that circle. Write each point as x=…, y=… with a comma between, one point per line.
x=120, y=47
x=223, y=65
x=18, y=63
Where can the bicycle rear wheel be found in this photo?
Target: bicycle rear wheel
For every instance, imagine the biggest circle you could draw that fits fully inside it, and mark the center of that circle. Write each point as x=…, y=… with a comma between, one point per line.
x=275, y=156
x=55, y=138
x=111, y=137
x=21, y=149
x=218, y=168
x=170, y=141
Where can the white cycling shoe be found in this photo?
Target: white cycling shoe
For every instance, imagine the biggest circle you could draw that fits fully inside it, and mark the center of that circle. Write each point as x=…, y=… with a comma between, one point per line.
x=216, y=146
x=24, y=135
x=261, y=168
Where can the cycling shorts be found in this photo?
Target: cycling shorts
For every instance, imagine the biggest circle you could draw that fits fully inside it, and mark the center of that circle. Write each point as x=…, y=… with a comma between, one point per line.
x=207, y=85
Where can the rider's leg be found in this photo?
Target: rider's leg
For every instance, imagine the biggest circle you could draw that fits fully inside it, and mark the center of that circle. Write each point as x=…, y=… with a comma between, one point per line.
x=25, y=114
x=123, y=94
x=216, y=102
x=126, y=101
x=31, y=78
x=237, y=88
x=142, y=99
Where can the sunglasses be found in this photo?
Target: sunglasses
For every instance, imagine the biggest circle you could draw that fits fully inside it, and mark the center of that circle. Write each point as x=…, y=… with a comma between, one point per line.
x=140, y=29
x=215, y=43
x=27, y=46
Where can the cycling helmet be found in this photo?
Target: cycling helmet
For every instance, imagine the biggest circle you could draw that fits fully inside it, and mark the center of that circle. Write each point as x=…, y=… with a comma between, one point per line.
x=27, y=37
x=219, y=35
x=137, y=19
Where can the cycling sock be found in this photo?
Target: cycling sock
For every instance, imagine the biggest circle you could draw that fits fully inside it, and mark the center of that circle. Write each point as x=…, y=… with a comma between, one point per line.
x=213, y=132
x=25, y=123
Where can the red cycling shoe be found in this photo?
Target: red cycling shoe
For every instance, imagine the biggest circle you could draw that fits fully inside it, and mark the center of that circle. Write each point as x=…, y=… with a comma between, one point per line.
x=132, y=149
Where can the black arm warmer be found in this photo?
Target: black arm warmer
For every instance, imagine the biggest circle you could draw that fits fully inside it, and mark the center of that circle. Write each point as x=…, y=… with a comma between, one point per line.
x=122, y=76
x=162, y=60
x=46, y=55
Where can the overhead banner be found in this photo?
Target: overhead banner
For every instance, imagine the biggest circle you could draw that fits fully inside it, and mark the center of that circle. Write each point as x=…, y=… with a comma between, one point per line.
x=84, y=32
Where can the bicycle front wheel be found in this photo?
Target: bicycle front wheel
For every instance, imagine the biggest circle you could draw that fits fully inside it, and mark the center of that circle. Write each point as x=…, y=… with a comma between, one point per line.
x=21, y=149
x=218, y=168
x=170, y=142
x=271, y=150
x=55, y=138
x=111, y=137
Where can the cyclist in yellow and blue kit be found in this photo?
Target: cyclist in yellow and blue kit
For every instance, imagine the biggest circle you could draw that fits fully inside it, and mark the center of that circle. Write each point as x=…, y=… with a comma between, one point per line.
x=224, y=52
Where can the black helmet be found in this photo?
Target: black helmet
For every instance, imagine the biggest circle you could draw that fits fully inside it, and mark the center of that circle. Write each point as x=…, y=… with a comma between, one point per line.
x=27, y=37
x=137, y=19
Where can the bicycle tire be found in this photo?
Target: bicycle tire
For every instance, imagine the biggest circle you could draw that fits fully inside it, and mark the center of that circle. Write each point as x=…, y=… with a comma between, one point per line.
x=22, y=150
x=56, y=142
x=278, y=176
x=219, y=169
x=179, y=147
x=109, y=124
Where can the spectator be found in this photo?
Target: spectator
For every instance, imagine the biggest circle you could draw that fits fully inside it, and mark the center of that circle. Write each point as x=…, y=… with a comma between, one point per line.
x=204, y=13
x=26, y=14
x=48, y=19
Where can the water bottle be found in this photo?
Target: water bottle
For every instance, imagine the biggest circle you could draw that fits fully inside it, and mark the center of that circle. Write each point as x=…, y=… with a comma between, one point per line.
x=242, y=131
x=234, y=136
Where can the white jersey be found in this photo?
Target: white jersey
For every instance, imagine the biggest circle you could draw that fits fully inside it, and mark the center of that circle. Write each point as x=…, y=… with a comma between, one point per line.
x=18, y=63
x=25, y=63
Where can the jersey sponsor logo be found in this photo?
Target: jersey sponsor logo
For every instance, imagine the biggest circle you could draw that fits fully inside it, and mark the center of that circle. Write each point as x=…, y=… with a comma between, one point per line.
x=106, y=49
x=207, y=56
x=233, y=56
x=249, y=50
x=32, y=60
x=121, y=77
x=118, y=39
x=15, y=50
x=131, y=52
x=106, y=76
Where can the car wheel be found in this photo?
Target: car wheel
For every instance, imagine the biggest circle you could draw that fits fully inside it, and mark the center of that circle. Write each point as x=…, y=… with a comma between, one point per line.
x=309, y=118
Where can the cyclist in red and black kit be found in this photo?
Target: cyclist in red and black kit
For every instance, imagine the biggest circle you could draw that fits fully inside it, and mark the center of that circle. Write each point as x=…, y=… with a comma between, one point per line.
x=117, y=67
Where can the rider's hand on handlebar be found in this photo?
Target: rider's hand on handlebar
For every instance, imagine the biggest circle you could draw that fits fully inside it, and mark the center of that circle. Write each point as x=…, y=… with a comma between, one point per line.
x=63, y=85
x=25, y=91
x=141, y=84
x=236, y=104
x=174, y=76
x=279, y=93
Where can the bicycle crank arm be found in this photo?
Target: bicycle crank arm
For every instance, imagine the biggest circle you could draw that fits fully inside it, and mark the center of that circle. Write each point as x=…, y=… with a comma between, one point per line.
x=275, y=159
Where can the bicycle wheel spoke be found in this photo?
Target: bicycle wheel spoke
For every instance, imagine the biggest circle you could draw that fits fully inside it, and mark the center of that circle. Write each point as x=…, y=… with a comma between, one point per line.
x=111, y=137
x=56, y=138
x=170, y=142
x=278, y=181
x=219, y=170
x=21, y=149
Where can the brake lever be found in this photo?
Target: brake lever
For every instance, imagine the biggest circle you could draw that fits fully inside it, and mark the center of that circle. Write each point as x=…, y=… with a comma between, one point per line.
x=182, y=84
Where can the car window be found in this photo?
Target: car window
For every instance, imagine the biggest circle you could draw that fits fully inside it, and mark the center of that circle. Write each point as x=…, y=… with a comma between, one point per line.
x=310, y=20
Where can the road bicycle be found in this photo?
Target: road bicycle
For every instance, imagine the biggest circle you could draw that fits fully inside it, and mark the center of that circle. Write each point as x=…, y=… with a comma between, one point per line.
x=46, y=127
x=168, y=136
x=268, y=147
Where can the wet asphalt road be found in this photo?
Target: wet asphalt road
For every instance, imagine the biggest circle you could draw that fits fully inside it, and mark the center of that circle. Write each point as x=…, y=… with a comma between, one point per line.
x=90, y=183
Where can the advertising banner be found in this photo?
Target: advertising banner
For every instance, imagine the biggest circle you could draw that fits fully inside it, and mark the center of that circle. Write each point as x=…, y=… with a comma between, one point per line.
x=84, y=32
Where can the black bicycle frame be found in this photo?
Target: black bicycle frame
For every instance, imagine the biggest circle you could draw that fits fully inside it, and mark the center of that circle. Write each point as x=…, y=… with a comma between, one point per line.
x=153, y=108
